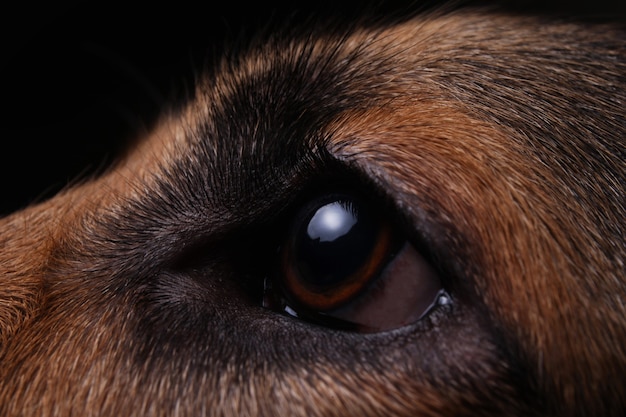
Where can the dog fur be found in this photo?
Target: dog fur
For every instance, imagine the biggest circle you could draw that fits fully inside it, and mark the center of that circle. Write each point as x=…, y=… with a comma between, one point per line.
x=500, y=139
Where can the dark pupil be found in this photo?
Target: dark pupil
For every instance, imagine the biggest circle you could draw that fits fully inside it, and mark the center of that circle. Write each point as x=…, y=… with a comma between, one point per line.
x=333, y=243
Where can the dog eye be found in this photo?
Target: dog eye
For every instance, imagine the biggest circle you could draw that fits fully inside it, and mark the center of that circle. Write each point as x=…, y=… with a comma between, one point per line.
x=344, y=264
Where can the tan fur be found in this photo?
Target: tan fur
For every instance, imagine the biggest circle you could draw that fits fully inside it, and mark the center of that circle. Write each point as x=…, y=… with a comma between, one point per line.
x=545, y=275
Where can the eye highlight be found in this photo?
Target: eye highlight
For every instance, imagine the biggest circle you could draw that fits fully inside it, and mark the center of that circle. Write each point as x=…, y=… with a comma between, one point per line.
x=345, y=264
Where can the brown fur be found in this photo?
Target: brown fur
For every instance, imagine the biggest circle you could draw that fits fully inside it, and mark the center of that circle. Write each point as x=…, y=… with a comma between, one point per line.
x=501, y=138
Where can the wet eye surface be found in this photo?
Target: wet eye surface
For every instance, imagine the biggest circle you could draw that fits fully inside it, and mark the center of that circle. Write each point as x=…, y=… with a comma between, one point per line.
x=345, y=264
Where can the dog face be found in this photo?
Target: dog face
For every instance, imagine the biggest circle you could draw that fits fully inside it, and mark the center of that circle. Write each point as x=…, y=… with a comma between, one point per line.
x=420, y=217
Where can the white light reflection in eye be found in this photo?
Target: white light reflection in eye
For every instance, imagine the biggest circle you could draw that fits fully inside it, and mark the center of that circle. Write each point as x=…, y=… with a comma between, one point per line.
x=331, y=222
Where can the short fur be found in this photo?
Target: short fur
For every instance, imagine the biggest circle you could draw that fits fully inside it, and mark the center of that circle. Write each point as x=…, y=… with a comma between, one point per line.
x=500, y=138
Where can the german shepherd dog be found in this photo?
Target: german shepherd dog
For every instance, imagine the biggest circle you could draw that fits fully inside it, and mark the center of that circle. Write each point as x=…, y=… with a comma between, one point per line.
x=419, y=216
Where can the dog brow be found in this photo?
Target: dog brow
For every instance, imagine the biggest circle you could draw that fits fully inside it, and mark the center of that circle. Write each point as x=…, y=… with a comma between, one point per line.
x=261, y=126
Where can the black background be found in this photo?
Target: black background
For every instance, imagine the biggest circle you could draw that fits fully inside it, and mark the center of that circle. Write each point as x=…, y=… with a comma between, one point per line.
x=77, y=81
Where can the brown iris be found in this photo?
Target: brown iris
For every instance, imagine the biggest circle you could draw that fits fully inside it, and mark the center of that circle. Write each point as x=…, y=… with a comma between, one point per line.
x=336, y=247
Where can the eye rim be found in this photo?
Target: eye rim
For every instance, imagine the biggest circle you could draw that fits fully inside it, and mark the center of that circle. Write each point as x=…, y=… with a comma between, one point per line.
x=350, y=180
